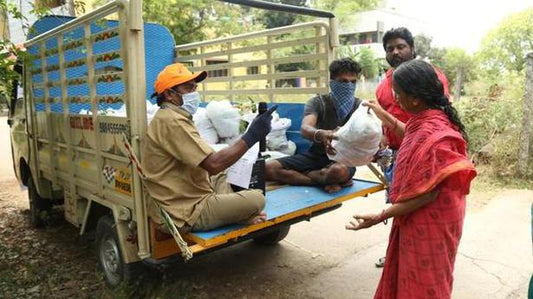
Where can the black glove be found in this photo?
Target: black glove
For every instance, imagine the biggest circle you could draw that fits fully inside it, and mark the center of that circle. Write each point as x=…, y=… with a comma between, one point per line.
x=259, y=128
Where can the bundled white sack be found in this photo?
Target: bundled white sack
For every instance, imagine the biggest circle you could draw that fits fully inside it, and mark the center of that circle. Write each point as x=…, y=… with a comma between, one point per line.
x=358, y=140
x=205, y=127
x=224, y=117
x=151, y=110
x=277, y=138
x=288, y=149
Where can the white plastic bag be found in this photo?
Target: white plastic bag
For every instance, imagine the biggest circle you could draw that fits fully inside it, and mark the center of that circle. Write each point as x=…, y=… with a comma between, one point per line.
x=289, y=148
x=205, y=127
x=224, y=117
x=358, y=140
x=277, y=138
x=151, y=110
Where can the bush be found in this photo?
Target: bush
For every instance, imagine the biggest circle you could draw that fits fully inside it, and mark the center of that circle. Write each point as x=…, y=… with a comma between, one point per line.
x=493, y=120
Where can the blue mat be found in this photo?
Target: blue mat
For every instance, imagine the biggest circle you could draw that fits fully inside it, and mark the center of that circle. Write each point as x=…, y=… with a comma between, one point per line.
x=289, y=199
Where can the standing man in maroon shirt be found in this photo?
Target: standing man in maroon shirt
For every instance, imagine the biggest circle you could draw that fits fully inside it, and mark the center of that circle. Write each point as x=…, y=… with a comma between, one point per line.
x=399, y=47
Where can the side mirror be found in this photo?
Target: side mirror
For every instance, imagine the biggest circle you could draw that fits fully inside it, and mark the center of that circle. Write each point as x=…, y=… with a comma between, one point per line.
x=9, y=122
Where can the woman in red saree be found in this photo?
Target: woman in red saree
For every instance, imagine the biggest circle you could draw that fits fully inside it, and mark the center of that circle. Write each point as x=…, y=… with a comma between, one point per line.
x=432, y=178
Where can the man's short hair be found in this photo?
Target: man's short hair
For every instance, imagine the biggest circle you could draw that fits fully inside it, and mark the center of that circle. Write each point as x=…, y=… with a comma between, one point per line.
x=343, y=66
x=400, y=32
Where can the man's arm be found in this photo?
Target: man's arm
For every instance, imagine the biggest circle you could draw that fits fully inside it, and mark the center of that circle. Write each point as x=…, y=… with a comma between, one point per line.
x=259, y=128
x=218, y=161
x=310, y=131
x=308, y=126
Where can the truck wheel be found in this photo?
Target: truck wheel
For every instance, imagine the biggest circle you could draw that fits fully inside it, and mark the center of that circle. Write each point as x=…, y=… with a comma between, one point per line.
x=274, y=237
x=110, y=259
x=39, y=207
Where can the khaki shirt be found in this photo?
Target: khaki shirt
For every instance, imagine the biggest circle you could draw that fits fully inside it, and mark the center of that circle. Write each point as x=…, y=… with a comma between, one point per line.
x=171, y=156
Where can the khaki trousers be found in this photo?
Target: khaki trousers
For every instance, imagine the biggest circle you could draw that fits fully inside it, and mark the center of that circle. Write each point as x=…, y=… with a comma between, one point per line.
x=226, y=207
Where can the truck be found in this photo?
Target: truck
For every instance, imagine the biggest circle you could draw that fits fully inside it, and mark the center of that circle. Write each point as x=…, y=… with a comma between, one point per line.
x=76, y=156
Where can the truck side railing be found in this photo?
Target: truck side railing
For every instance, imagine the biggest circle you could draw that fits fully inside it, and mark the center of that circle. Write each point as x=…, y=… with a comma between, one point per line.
x=266, y=65
x=89, y=65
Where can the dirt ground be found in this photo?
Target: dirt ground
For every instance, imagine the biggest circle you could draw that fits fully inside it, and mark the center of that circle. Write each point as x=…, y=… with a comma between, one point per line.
x=318, y=259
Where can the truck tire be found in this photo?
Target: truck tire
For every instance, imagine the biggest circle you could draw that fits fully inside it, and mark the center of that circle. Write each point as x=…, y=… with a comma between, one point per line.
x=110, y=258
x=273, y=237
x=39, y=207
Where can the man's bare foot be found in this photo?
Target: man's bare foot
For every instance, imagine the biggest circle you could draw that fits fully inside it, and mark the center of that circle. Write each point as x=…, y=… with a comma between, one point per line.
x=337, y=187
x=348, y=183
x=332, y=188
x=258, y=219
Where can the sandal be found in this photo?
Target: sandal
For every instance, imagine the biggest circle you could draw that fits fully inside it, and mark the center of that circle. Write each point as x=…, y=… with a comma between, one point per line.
x=381, y=262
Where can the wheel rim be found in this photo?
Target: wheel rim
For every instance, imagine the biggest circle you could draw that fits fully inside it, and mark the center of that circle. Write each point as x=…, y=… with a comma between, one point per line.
x=110, y=258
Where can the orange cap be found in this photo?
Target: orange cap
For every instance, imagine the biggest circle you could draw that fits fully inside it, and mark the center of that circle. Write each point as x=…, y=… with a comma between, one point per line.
x=176, y=74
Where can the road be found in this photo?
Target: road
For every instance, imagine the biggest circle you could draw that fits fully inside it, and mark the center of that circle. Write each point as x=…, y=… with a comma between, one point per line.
x=320, y=259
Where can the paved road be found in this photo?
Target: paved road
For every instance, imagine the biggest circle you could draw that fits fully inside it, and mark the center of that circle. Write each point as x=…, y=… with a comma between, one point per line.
x=319, y=259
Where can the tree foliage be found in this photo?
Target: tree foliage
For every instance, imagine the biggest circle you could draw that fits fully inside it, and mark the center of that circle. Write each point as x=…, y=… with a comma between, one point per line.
x=273, y=19
x=197, y=20
x=9, y=52
x=506, y=46
x=423, y=45
x=456, y=59
x=370, y=65
x=344, y=10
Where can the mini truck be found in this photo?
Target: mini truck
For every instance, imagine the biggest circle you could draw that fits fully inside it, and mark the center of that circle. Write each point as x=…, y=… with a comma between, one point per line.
x=71, y=147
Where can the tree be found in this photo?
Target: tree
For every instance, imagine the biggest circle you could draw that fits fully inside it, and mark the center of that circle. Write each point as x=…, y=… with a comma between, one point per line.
x=273, y=19
x=436, y=56
x=196, y=20
x=9, y=52
x=506, y=46
x=344, y=10
x=459, y=67
x=370, y=65
x=525, y=136
x=423, y=45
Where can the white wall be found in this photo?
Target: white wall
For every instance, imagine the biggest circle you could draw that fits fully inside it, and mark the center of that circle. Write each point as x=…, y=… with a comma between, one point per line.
x=16, y=31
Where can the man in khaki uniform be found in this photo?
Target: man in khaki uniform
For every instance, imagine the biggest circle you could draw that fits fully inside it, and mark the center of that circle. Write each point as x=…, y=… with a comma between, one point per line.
x=178, y=163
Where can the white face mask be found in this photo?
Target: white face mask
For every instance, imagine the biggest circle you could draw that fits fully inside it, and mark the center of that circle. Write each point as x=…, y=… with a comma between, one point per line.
x=191, y=101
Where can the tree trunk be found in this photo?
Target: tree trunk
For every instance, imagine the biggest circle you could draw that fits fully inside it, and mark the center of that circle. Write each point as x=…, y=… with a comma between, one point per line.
x=71, y=7
x=458, y=83
x=523, y=156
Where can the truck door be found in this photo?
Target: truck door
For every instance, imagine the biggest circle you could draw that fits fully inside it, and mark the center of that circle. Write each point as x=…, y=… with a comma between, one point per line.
x=17, y=123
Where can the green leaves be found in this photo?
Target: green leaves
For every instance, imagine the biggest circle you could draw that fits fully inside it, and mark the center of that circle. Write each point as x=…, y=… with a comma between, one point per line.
x=506, y=46
x=196, y=20
x=344, y=10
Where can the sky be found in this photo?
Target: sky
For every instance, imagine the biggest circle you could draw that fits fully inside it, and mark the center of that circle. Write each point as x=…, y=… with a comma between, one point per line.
x=459, y=23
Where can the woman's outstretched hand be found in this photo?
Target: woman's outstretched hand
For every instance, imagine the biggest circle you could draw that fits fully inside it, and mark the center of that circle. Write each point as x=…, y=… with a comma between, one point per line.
x=364, y=221
x=378, y=110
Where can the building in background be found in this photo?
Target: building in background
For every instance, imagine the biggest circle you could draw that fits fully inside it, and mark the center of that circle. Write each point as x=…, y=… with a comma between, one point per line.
x=18, y=29
x=366, y=29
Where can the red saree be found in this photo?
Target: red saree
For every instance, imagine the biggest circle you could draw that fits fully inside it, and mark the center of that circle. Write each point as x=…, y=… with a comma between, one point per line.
x=423, y=245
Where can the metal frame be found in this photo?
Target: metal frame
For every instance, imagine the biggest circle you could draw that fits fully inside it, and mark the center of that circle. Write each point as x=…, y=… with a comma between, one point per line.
x=319, y=36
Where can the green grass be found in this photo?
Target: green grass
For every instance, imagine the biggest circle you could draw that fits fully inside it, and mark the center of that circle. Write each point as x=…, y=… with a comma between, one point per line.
x=486, y=181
